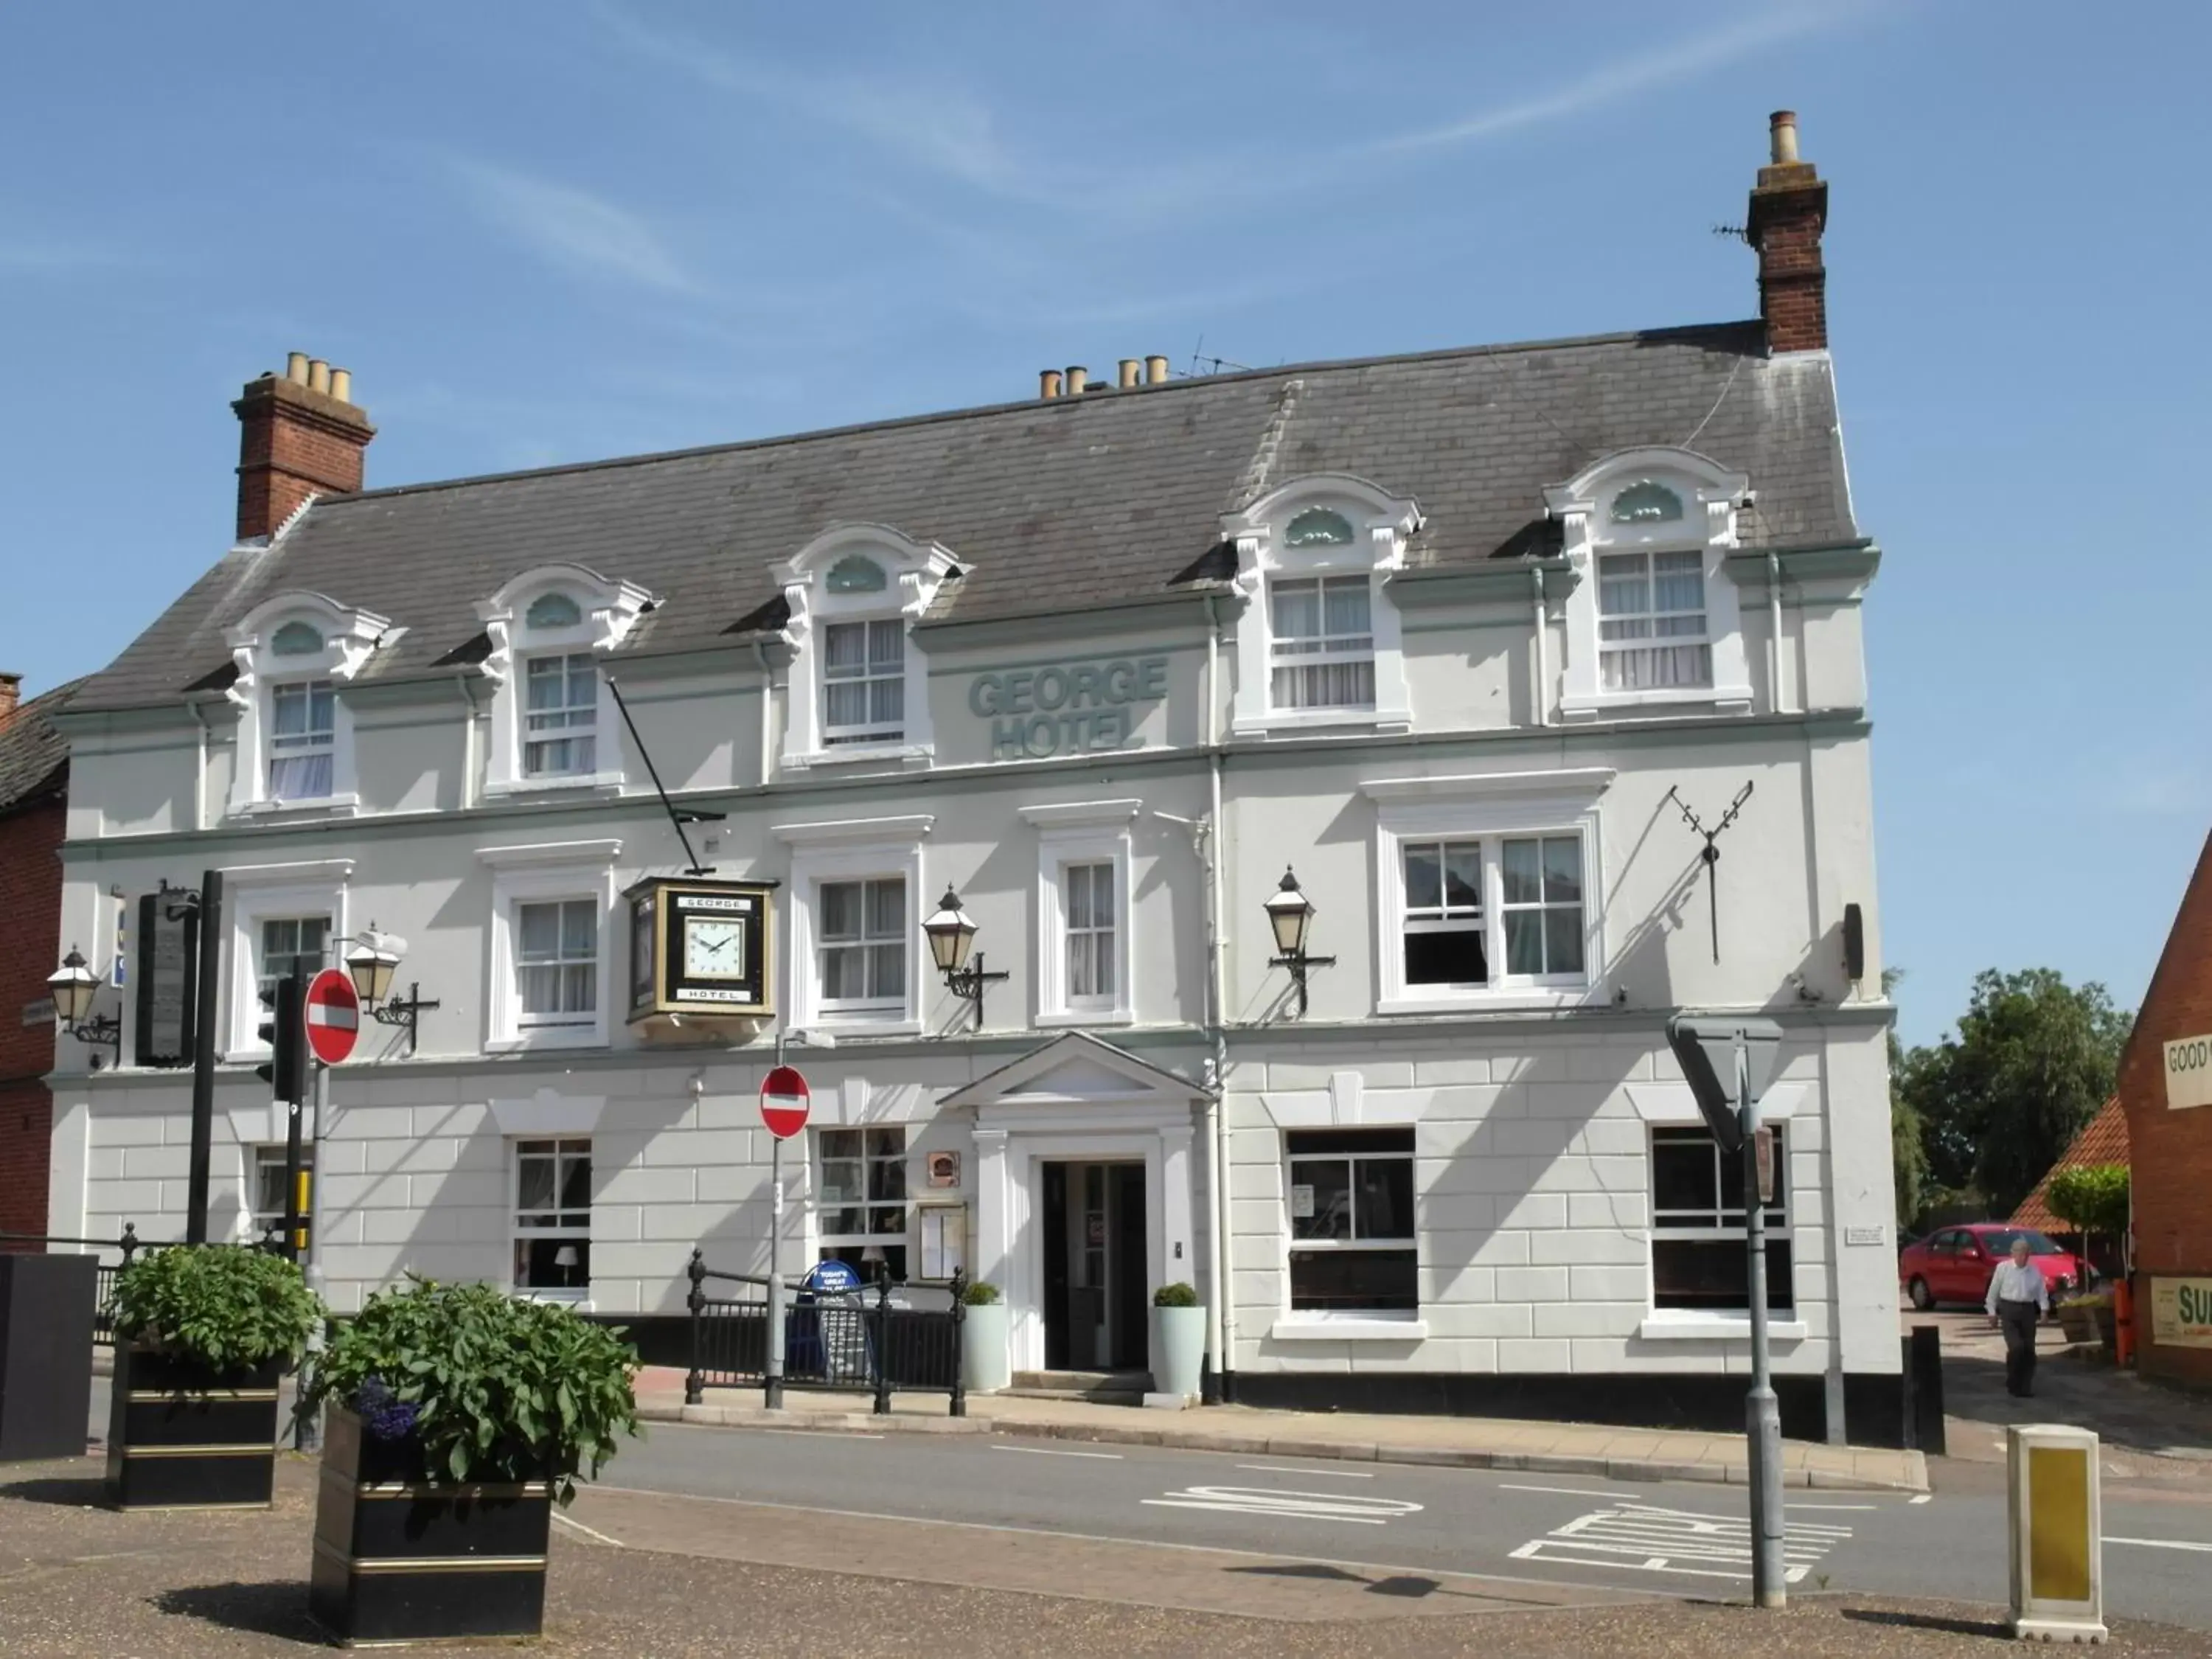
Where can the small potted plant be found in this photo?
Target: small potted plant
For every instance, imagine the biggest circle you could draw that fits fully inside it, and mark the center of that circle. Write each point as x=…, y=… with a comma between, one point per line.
x=986, y=1366
x=1178, y=1340
x=2086, y=1317
x=203, y=1332
x=456, y=1416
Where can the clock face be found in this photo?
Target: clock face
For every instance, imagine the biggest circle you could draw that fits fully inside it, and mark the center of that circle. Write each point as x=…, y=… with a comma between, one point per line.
x=713, y=947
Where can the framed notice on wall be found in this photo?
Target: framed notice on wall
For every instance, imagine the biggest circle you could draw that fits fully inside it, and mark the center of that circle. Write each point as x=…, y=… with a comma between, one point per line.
x=944, y=1240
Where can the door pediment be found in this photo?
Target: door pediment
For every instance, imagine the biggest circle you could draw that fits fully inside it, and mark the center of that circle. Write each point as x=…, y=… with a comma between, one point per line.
x=1077, y=1070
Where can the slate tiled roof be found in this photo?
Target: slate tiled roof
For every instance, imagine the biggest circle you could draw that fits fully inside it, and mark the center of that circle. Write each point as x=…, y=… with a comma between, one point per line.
x=1050, y=505
x=2103, y=1139
x=33, y=755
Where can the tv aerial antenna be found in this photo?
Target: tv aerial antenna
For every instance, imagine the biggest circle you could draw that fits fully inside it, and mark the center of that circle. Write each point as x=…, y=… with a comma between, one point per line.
x=1710, y=854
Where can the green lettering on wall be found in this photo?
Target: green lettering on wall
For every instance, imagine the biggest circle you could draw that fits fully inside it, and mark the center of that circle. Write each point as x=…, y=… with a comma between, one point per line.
x=1069, y=708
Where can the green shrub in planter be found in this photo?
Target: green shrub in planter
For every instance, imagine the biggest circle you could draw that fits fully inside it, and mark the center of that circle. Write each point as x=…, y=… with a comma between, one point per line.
x=1174, y=1296
x=459, y=1415
x=202, y=1334
x=980, y=1293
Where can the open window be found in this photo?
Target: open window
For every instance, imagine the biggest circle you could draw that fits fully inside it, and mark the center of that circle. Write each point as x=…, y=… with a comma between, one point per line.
x=553, y=720
x=860, y=690
x=1319, y=643
x=1653, y=618
x=293, y=654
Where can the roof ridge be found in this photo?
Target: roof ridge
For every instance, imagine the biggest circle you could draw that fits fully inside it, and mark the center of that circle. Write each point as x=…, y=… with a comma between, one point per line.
x=1102, y=397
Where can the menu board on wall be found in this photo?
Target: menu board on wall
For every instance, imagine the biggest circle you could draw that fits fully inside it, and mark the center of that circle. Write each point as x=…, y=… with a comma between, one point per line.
x=169, y=959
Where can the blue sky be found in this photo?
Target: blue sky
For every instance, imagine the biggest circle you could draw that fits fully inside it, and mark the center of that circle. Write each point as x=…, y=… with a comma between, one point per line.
x=542, y=232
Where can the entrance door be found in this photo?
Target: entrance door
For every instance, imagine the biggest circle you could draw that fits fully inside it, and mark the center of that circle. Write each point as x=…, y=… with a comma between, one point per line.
x=1094, y=1266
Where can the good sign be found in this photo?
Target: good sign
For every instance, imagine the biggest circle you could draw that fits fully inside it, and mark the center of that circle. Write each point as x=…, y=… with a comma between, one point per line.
x=2189, y=1073
x=1076, y=707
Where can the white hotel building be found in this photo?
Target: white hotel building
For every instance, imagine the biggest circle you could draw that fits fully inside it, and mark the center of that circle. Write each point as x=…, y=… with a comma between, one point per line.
x=1454, y=636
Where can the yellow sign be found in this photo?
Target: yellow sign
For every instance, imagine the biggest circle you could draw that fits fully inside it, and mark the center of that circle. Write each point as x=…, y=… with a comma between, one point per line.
x=2181, y=1313
x=2059, y=1522
x=2189, y=1073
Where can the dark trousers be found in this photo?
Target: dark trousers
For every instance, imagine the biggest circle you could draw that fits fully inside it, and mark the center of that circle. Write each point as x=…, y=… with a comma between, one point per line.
x=2018, y=1319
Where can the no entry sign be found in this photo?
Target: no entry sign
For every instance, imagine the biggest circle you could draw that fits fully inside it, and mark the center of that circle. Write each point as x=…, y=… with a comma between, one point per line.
x=784, y=1101
x=333, y=1012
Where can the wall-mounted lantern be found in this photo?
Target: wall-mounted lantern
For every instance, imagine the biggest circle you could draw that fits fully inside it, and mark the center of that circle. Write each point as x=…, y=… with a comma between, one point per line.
x=1290, y=914
x=952, y=932
x=73, y=988
x=373, y=962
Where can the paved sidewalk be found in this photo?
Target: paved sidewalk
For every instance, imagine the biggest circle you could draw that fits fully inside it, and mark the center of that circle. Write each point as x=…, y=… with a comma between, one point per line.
x=1475, y=1443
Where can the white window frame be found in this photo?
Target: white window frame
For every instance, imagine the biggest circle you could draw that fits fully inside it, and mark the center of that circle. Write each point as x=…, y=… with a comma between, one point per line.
x=1711, y=498
x=608, y=612
x=1381, y=524
x=537, y=875
x=850, y=850
x=1408, y=1320
x=822, y=1238
x=350, y=639
x=1778, y=1226
x=861, y=1007
x=1082, y=832
x=272, y=892
x=1491, y=809
x=1330, y=651
x=565, y=1146
x=567, y=731
x=282, y=748
x=563, y=1018
x=866, y=733
x=912, y=573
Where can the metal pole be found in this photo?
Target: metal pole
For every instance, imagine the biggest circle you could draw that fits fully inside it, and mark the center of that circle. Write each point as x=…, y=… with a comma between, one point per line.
x=307, y=1434
x=774, y=1370
x=1762, y=1411
x=206, y=986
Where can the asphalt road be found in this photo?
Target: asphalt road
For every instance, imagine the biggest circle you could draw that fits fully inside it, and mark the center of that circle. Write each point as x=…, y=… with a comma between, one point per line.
x=1670, y=1538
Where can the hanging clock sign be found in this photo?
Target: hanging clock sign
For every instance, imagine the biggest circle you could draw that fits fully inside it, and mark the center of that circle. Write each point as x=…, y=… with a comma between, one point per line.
x=699, y=947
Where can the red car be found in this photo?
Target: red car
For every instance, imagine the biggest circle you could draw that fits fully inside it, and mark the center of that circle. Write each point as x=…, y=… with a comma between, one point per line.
x=1954, y=1264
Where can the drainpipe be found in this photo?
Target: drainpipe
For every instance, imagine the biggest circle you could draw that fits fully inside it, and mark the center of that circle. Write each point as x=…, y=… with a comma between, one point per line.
x=468, y=739
x=200, y=765
x=1220, y=1315
x=1543, y=651
x=768, y=689
x=1774, y=629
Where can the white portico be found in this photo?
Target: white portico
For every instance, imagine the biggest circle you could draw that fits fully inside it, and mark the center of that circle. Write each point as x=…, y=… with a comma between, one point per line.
x=1079, y=1105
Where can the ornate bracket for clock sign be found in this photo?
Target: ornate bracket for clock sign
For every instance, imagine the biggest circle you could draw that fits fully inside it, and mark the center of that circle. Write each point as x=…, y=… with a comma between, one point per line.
x=1712, y=853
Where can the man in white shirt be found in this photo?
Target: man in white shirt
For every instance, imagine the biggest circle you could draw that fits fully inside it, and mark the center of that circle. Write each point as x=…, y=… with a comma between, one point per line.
x=2018, y=1299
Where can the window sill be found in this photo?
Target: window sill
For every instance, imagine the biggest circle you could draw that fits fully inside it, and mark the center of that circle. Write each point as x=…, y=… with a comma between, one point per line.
x=1289, y=722
x=343, y=805
x=1667, y=1326
x=577, y=1300
x=550, y=1036
x=1509, y=1000
x=1348, y=1327
x=1720, y=699
x=857, y=754
x=607, y=782
x=1078, y=1018
x=861, y=1025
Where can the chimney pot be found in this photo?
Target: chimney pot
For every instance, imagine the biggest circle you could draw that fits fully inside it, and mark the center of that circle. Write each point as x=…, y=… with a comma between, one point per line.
x=1077, y=378
x=295, y=368
x=318, y=376
x=1156, y=370
x=341, y=385
x=1048, y=384
x=1130, y=369
x=1782, y=136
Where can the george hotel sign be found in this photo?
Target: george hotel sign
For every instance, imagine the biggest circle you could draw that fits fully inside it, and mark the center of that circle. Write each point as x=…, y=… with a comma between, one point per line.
x=2189, y=1073
x=1089, y=706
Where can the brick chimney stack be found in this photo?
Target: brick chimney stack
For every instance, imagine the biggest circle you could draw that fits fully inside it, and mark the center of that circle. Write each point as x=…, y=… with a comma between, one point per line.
x=1789, y=211
x=299, y=435
x=11, y=695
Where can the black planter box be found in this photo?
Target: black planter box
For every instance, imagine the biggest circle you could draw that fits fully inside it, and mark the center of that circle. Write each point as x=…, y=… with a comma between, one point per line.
x=183, y=1436
x=401, y=1558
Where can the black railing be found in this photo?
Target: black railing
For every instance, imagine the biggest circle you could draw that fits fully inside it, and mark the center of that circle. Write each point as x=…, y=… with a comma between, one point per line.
x=128, y=1246
x=858, y=1340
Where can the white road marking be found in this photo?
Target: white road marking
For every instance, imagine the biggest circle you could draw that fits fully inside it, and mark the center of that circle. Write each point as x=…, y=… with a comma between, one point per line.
x=1567, y=1491
x=1054, y=1451
x=1297, y=1505
x=1332, y=1474
x=822, y=1434
x=2161, y=1543
x=587, y=1531
x=1647, y=1538
x=1925, y=1498
x=1832, y=1506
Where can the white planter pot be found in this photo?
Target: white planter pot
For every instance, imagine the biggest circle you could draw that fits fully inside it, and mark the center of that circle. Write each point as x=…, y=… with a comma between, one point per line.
x=1178, y=1350
x=985, y=1364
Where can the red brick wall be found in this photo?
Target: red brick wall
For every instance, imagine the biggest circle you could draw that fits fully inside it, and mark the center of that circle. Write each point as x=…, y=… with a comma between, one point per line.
x=293, y=443
x=30, y=926
x=2170, y=1152
x=1788, y=214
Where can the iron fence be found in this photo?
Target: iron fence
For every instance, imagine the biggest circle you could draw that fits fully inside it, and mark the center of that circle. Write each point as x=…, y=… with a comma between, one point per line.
x=128, y=1246
x=891, y=1335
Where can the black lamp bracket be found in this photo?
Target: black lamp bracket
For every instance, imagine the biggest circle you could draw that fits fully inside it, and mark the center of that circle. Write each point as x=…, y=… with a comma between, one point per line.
x=404, y=1011
x=967, y=983
x=1298, y=964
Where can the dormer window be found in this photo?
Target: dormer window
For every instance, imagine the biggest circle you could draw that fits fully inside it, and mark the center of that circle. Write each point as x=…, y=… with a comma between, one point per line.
x=1319, y=642
x=860, y=690
x=1652, y=617
x=548, y=629
x=294, y=654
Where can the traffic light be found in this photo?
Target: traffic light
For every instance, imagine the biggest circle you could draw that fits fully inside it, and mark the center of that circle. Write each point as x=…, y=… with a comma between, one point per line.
x=285, y=1032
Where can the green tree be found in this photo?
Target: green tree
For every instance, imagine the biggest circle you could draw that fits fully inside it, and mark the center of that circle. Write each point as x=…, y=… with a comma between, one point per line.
x=2031, y=1060
x=1907, y=1133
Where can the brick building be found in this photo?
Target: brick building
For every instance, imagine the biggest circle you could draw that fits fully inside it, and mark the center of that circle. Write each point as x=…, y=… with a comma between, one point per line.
x=33, y=784
x=2166, y=1080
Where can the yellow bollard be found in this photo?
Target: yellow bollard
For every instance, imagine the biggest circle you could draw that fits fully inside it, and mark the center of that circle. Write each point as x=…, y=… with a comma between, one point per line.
x=2056, y=1533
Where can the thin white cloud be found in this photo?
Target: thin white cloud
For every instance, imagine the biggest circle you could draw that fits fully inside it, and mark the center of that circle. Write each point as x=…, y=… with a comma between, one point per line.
x=574, y=228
